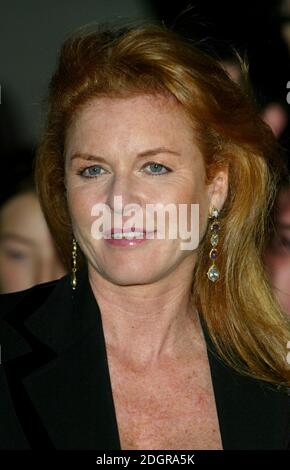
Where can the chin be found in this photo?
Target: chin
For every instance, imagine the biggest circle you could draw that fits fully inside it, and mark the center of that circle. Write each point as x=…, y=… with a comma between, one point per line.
x=126, y=278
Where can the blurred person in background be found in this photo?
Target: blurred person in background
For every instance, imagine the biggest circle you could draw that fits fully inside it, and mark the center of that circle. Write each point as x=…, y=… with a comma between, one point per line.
x=27, y=252
x=277, y=253
x=285, y=21
x=273, y=112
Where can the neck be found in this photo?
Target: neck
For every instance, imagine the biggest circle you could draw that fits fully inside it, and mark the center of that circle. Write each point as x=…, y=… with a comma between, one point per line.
x=146, y=324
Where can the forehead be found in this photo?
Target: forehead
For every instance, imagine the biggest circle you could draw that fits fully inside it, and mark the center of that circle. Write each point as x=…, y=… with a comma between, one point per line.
x=155, y=102
x=151, y=114
x=22, y=214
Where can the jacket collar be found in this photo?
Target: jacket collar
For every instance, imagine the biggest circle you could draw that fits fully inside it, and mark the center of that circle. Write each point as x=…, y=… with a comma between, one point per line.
x=64, y=373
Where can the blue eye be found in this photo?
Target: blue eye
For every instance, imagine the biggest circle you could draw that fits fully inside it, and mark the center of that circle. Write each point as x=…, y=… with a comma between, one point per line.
x=94, y=171
x=91, y=171
x=157, y=166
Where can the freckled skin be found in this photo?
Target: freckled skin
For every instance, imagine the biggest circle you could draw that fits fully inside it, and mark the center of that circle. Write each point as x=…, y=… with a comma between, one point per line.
x=133, y=132
x=139, y=290
x=117, y=129
x=166, y=407
x=157, y=356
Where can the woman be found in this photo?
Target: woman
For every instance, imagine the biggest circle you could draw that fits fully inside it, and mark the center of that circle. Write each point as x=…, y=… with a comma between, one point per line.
x=147, y=345
x=28, y=254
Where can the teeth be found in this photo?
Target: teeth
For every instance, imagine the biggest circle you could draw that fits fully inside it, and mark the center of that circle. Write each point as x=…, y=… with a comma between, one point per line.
x=120, y=235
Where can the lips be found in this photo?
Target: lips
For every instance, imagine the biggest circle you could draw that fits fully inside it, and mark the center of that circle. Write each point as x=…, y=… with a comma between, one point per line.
x=131, y=230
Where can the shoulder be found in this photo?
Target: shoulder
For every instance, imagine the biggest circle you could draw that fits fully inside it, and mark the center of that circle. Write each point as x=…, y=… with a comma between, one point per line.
x=9, y=302
x=18, y=309
x=20, y=351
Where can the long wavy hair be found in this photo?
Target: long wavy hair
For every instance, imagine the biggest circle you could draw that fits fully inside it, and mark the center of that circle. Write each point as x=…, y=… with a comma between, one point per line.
x=240, y=312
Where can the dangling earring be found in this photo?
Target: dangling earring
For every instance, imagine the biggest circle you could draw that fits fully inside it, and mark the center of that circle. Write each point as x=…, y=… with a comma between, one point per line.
x=74, y=265
x=213, y=272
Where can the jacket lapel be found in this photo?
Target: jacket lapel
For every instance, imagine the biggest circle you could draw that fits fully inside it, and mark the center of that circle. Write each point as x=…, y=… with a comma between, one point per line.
x=251, y=415
x=64, y=394
x=61, y=387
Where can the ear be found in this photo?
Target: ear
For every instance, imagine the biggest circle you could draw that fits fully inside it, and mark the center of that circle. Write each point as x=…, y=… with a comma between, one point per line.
x=218, y=189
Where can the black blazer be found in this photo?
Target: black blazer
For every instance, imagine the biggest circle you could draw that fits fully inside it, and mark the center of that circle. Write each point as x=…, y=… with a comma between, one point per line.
x=55, y=389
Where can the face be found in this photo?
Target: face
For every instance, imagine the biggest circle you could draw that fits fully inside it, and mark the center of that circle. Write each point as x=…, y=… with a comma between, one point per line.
x=277, y=255
x=107, y=155
x=27, y=252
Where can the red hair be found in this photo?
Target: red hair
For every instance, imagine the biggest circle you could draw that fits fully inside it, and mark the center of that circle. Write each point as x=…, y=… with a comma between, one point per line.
x=242, y=315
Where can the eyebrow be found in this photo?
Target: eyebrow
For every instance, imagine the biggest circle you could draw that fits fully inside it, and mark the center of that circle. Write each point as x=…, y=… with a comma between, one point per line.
x=17, y=238
x=145, y=153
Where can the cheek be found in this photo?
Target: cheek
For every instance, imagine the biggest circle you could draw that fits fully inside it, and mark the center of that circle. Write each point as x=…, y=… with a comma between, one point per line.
x=15, y=276
x=278, y=269
x=194, y=198
x=81, y=201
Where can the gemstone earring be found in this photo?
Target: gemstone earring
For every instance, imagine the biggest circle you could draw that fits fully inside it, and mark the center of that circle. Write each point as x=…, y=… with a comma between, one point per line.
x=74, y=265
x=213, y=272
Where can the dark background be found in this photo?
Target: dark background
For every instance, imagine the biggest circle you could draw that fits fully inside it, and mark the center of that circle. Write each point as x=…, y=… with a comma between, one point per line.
x=31, y=33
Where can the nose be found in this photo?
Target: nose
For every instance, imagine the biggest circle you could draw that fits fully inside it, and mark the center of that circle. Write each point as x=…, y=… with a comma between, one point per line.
x=125, y=199
x=124, y=190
